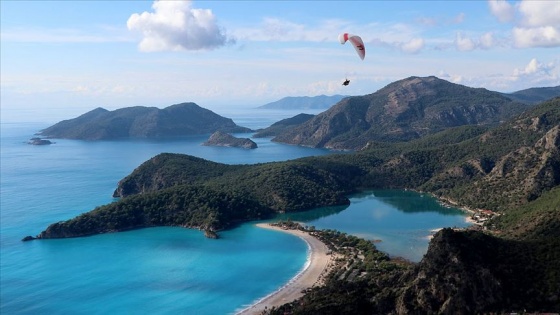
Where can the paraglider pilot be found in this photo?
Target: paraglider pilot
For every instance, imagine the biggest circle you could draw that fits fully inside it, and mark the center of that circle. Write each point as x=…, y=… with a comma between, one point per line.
x=346, y=82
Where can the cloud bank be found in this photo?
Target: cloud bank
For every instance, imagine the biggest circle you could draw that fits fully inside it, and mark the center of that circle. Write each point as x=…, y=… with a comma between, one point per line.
x=176, y=26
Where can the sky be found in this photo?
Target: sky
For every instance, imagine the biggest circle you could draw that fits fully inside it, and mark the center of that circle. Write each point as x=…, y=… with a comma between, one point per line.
x=63, y=58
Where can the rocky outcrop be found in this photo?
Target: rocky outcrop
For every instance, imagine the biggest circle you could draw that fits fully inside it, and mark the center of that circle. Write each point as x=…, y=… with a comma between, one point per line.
x=39, y=141
x=142, y=122
x=223, y=139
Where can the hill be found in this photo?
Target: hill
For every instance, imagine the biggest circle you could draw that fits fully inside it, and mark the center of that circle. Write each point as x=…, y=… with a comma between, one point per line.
x=535, y=95
x=404, y=110
x=304, y=102
x=222, y=139
x=142, y=122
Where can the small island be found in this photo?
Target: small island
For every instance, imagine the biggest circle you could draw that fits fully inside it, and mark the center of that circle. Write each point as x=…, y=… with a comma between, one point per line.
x=223, y=139
x=39, y=141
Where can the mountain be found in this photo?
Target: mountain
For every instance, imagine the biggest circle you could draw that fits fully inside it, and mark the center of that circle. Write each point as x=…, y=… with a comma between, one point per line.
x=402, y=111
x=142, y=122
x=304, y=102
x=283, y=125
x=535, y=95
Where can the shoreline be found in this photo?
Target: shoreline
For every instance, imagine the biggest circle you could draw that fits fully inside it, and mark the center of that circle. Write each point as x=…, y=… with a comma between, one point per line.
x=316, y=266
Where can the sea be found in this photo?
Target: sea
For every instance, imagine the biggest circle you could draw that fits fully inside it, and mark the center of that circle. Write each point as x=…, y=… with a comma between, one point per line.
x=167, y=270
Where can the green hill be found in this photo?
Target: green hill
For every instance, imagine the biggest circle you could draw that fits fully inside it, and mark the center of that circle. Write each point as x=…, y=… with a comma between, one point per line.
x=404, y=110
x=142, y=122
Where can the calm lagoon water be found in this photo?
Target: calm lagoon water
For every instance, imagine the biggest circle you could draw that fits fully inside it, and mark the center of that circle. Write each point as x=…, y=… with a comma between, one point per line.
x=164, y=270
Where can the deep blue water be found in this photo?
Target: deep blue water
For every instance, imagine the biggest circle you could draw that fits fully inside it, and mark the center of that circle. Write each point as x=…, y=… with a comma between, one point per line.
x=162, y=270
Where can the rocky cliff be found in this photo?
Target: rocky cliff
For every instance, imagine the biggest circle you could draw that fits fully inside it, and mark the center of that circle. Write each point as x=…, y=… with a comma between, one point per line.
x=142, y=122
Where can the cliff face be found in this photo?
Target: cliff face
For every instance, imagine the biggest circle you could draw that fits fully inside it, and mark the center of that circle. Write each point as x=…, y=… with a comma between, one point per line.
x=470, y=272
x=142, y=122
x=404, y=110
x=223, y=139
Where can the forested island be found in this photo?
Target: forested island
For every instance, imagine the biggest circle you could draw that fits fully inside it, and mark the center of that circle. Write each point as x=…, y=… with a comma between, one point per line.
x=142, y=122
x=511, y=168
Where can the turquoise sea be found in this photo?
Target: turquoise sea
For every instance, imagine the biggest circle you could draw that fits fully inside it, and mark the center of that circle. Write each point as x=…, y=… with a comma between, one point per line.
x=165, y=270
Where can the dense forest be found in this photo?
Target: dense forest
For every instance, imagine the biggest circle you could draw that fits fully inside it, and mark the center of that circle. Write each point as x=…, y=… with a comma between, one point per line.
x=512, y=169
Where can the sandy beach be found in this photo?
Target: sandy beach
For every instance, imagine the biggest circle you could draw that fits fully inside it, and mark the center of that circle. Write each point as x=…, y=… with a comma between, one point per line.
x=317, y=264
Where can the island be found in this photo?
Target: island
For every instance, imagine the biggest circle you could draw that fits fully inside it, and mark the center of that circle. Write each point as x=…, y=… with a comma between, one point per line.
x=39, y=141
x=177, y=120
x=223, y=139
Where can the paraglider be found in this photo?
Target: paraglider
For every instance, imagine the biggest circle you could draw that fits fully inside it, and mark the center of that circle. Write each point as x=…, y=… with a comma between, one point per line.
x=358, y=44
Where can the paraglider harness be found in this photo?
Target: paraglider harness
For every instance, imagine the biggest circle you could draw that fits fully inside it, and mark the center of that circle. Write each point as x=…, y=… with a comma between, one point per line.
x=346, y=82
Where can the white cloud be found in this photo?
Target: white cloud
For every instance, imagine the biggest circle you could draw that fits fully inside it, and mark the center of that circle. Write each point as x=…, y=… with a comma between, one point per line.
x=175, y=26
x=413, y=46
x=487, y=41
x=538, y=23
x=463, y=43
x=531, y=68
x=540, y=13
x=546, y=36
x=502, y=10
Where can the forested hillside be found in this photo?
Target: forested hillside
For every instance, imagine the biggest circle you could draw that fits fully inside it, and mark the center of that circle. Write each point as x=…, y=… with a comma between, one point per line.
x=404, y=110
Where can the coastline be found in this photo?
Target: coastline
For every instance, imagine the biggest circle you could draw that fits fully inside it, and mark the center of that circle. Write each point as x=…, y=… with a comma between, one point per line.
x=317, y=266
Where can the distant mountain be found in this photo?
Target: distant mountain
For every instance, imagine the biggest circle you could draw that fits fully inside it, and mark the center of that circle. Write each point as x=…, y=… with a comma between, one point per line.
x=283, y=125
x=535, y=95
x=142, y=122
x=304, y=102
x=401, y=111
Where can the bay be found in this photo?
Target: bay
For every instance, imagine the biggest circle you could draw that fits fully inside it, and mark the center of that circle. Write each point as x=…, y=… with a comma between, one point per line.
x=156, y=270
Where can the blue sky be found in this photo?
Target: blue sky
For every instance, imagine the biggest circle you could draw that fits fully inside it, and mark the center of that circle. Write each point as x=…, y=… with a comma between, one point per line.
x=63, y=58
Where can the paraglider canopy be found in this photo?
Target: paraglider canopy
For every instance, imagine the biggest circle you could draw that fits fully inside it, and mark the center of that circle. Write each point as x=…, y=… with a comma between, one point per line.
x=356, y=41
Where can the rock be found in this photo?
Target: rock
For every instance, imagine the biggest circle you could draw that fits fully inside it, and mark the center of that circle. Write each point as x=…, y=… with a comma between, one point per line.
x=39, y=141
x=223, y=139
x=211, y=234
x=28, y=238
